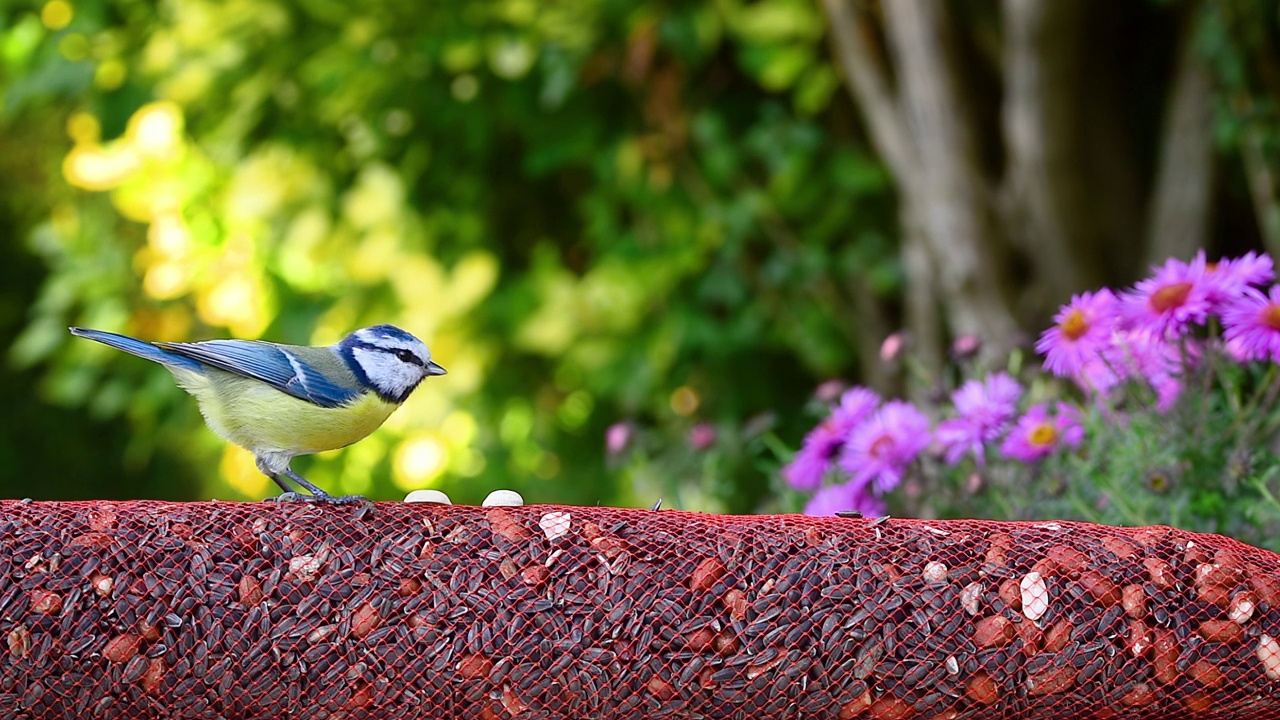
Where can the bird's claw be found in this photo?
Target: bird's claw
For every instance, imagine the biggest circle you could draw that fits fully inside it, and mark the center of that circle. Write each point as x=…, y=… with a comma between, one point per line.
x=287, y=497
x=321, y=499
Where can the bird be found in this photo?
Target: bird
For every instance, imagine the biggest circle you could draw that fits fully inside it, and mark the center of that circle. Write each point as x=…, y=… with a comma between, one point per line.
x=282, y=401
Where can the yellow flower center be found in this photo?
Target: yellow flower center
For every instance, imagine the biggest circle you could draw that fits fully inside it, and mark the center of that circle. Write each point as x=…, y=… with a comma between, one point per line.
x=1074, y=325
x=1170, y=296
x=1271, y=316
x=1043, y=434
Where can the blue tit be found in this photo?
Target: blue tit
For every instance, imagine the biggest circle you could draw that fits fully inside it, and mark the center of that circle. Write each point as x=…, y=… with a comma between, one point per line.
x=282, y=401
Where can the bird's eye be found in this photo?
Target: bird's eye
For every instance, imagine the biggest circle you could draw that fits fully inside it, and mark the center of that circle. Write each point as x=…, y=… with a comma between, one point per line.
x=407, y=356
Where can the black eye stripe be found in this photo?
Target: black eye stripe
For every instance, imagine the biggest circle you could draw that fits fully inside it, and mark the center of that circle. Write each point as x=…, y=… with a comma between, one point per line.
x=401, y=354
x=408, y=356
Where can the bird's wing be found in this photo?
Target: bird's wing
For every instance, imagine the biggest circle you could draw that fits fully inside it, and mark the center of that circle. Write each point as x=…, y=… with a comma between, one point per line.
x=272, y=364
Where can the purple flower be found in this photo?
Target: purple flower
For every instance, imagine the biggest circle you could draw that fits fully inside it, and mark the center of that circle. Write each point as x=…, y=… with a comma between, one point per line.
x=1168, y=390
x=989, y=403
x=1082, y=329
x=702, y=436
x=1038, y=433
x=1175, y=298
x=617, y=437
x=1251, y=325
x=985, y=409
x=1228, y=279
x=959, y=436
x=837, y=498
x=881, y=448
x=811, y=462
x=1139, y=355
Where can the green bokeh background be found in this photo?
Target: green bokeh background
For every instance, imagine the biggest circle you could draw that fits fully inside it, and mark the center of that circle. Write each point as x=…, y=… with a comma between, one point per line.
x=665, y=214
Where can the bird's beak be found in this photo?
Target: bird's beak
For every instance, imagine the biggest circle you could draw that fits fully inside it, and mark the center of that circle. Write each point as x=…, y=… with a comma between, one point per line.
x=434, y=369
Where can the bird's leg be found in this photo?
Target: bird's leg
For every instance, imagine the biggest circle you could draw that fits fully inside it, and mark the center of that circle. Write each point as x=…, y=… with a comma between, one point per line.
x=283, y=486
x=265, y=468
x=277, y=475
x=318, y=495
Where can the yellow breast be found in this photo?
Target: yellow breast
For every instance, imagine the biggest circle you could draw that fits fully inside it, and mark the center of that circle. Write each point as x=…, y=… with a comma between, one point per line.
x=262, y=419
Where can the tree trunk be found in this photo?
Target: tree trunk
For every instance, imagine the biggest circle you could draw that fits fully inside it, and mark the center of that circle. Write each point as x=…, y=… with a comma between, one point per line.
x=1046, y=199
x=924, y=136
x=1178, y=217
x=1069, y=163
x=950, y=192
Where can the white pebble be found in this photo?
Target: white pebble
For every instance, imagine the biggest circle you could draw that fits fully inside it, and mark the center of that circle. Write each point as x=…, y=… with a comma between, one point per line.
x=305, y=567
x=1241, y=609
x=935, y=572
x=1269, y=655
x=503, y=498
x=428, y=496
x=970, y=597
x=1204, y=570
x=1035, y=596
x=554, y=525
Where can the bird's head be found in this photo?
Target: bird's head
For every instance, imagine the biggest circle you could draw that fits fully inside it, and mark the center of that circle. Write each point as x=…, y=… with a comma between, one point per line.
x=388, y=360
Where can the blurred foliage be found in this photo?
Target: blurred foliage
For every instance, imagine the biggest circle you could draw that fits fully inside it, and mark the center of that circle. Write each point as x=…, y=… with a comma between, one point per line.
x=591, y=211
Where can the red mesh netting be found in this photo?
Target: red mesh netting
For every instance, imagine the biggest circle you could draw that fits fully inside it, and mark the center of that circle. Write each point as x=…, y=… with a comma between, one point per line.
x=265, y=610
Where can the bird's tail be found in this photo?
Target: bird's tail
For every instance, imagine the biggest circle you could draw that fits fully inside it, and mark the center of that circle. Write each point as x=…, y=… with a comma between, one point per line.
x=134, y=346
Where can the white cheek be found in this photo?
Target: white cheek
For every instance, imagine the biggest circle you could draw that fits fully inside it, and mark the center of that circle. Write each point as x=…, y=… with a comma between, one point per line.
x=387, y=373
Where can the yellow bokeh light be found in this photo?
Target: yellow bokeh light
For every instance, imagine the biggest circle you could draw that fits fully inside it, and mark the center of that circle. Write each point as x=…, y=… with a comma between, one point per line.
x=334, y=324
x=471, y=280
x=110, y=74
x=465, y=87
x=170, y=324
x=374, y=256
x=302, y=252
x=156, y=129
x=237, y=302
x=273, y=176
x=684, y=401
x=465, y=360
x=169, y=236
x=426, y=408
x=93, y=167
x=83, y=127
x=418, y=280
x=378, y=197
x=166, y=280
x=56, y=14
x=188, y=84
x=459, y=428
x=419, y=461
x=241, y=472
x=510, y=59
x=239, y=250
x=554, y=325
